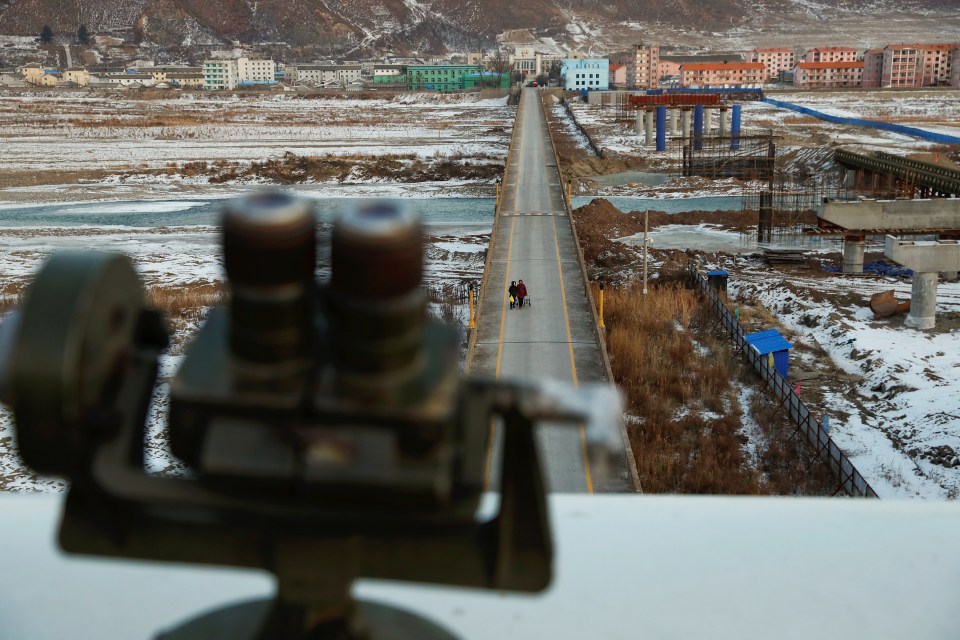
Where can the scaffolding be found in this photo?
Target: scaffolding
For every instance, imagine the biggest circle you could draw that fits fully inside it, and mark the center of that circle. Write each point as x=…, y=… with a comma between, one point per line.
x=786, y=204
x=745, y=157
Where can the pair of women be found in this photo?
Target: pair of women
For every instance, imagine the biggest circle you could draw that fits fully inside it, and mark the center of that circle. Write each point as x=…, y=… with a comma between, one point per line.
x=517, y=292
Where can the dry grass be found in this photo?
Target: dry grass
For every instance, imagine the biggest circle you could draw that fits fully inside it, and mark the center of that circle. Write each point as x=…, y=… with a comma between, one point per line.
x=682, y=380
x=185, y=308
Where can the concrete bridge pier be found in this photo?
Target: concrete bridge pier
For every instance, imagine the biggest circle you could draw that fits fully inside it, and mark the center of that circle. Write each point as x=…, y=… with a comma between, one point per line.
x=927, y=259
x=674, y=122
x=722, y=132
x=685, y=123
x=853, y=247
x=923, y=301
x=639, y=123
x=648, y=127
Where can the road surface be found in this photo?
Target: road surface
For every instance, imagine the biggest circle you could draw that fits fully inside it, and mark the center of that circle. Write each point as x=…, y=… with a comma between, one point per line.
x=555, y=336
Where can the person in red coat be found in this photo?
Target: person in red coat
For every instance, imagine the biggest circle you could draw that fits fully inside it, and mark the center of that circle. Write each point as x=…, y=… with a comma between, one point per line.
x=521, y=292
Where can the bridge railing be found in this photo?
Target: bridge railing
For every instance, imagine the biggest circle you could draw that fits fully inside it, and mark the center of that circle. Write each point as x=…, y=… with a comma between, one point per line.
x=911, y=171
x=484, y=281
x=851, y=481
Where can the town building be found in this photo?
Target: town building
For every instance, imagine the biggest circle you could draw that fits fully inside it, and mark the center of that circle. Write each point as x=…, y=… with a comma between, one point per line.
x=730, y=75
x=527, y=62
x=325, y=75
x=39, y=75
x=642, y=67
x=389, y=76
x=220, y=74
x=937, y=64
x=776, y=59
x=618, y=76
x=668, y=68
x=828, y=75
x=586, y=74
x=831, y=54
x=165, y=73
x=255, y=72
x=955, y=68
x=185, y=80
x=11, y=78
x=486, y=80
x=78, y=76
x=872, y=68
x=439, y=77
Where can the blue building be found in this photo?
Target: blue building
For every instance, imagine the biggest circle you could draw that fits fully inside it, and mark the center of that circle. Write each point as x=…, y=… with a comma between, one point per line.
x=590, y=74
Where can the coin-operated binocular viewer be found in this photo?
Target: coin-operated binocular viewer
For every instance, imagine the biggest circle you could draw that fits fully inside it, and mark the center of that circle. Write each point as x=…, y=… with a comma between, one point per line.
x=327, y=431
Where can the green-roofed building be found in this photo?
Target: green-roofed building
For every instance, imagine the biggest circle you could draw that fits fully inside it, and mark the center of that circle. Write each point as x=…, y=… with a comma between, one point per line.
x=486, y=80
x=439, y=77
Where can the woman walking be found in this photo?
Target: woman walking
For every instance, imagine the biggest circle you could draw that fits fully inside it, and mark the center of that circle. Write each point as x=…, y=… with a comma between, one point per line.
x=521, y=292
x=512, y=292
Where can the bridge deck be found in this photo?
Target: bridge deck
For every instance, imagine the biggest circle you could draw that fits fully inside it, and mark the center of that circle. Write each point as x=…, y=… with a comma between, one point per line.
x=556, y=336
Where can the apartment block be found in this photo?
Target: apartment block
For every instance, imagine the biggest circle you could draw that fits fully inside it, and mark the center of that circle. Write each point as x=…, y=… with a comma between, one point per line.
x=642, y=67
x=669, y=64
x=955, y=68
x=872, y=68
x=832, y=54
x=776, y=59
x=220, y=74
x=618, y=75
x=254, y=72
x=828, y=75
x=746, y=75
x=937, y=64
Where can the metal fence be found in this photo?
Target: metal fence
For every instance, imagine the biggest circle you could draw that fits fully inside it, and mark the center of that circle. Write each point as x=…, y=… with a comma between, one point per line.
x=851, y=480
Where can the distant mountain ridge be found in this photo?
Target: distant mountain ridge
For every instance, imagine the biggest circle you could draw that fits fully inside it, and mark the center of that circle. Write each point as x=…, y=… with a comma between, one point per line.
x=363, y=26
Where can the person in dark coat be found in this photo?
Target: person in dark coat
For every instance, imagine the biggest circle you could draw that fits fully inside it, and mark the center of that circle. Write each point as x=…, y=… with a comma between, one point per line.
x=512, y=291
x=521, y=292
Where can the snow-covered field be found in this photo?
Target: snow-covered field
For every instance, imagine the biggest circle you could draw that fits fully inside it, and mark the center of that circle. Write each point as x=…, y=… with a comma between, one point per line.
x=894, y=402
x=74, y=132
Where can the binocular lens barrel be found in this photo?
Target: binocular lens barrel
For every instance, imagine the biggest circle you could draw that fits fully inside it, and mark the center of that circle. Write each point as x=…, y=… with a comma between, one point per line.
x=269, y=247
x=379, y=306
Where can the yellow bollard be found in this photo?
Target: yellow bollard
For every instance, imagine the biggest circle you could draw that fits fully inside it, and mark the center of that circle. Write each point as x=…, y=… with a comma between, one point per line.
x=498, y=191
x=472, y=324
x=569, y=187
x=602, y=326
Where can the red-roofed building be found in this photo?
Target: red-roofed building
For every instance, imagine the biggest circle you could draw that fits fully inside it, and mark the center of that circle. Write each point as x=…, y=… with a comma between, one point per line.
x=776, y=59
x=917, y=65
x=831, y=54
x=872, y=68
x=722, y=75
x=828, y=75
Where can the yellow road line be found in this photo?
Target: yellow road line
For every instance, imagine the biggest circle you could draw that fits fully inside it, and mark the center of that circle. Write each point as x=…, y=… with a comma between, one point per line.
x=573, y=362
x=503, y=319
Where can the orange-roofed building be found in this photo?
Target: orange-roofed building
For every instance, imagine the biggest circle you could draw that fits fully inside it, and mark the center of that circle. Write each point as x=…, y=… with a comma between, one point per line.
x=831, y=54
x=748, y=75
x=828, y=75
x=776, y=59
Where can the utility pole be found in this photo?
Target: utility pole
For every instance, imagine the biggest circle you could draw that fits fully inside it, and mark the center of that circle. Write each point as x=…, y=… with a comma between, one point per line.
x=646, y=216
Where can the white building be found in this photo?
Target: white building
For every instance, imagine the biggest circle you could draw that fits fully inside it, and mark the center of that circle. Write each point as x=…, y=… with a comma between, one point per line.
x=325, y=75
x=256, y=71
x=220, y=74
x=589, y=74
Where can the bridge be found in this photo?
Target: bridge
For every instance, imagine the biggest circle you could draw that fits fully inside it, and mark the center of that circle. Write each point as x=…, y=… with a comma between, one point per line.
x=556, y=336
x=896, y=175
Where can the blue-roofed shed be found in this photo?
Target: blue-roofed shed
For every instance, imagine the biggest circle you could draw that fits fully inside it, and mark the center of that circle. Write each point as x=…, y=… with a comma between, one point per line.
x=718, y=280
x=771, y=341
